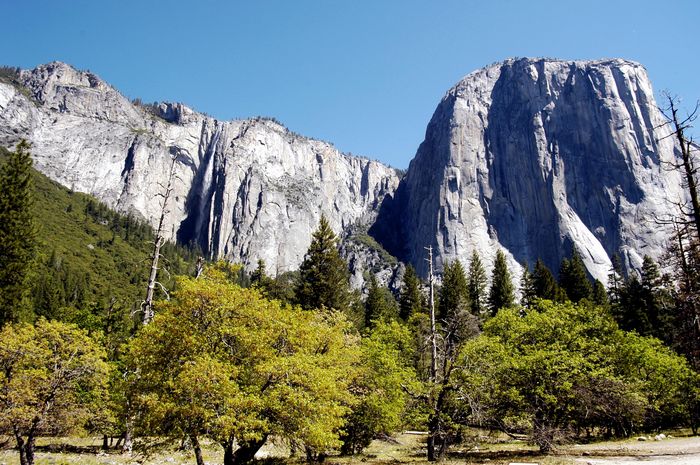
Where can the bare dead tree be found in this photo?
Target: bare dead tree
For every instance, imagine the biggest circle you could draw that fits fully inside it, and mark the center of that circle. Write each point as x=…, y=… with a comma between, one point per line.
x=147, y=304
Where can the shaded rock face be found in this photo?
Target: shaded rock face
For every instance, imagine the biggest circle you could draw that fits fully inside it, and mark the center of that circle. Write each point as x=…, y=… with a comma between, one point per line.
x=243, y=190
x=535, y=157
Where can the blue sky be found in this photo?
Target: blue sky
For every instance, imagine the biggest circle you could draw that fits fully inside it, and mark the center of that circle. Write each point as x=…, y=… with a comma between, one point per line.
x=365, y=75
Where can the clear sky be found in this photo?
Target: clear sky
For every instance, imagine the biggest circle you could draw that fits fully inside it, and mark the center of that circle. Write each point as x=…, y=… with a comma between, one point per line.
x=363, y=74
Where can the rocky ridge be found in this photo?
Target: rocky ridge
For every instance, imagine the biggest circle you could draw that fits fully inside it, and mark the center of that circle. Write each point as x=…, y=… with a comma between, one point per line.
x=536, y=156
x=242, y=190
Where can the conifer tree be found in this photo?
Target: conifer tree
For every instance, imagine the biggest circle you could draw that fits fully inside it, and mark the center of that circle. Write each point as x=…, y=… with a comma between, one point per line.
x=501, y=293
x=323, y=275
x=600, y=295
x=573, y=278
x=17, y=234
x=454, y=292
x=380, y=305
x=615, y=281
x=477, y=285
x=544, y=283
x=527, y=287
x=411, y=299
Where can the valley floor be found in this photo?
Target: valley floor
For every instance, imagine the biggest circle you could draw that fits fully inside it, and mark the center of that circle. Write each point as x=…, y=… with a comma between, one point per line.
x=404, y=448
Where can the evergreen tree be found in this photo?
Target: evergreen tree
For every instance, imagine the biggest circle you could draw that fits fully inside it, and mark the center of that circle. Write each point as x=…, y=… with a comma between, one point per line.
x=323, y=275
x=544, y=284
x=454, y=292
x=17, y=234
x=380, y=305
x=573, y=278
x=615, y=280
x=411, y=299
x=477, y=284
x=501, y=292
x=527, y=287
x=600, y=295
x=259, y=278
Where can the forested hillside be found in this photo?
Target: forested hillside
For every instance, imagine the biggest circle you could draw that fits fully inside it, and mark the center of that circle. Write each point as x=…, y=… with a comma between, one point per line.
x=91, y=264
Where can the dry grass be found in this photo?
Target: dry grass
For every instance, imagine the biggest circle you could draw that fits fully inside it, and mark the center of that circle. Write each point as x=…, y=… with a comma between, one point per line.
x=403, y=448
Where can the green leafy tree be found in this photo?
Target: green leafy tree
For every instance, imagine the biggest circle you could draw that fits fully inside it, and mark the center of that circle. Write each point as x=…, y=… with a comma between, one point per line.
x=501, y=294
x=573, y=278
x=17, y=234
x=223, y=362
x=324, y=279
x=52, y=381
x=384, y=376
x=477, y=285
x=411, y=298
x=564, y=367
x=380, y=304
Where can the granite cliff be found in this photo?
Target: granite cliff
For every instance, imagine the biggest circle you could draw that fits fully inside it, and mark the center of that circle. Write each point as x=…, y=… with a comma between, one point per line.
x=535, y=156
x=243, y=190
x=532, y=156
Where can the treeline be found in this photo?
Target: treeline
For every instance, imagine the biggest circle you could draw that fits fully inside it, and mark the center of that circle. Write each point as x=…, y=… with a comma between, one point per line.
x=241, y=359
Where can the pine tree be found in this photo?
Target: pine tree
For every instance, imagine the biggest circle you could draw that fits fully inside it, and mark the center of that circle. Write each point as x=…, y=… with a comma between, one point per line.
x=477, y=284
x=501, y=292
x=454, y=292
x=323, y=275
x=411, y=299
x=600, y=295
x=544, y=283
x=528, y=291
x=17, y=234
x=573, y=278
x=615, y=281
x=259, y=278
x=380, y=305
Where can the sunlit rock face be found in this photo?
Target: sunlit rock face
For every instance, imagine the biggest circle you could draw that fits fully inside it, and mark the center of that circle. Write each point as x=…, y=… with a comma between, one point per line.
x=534, y=157
x=243, y=190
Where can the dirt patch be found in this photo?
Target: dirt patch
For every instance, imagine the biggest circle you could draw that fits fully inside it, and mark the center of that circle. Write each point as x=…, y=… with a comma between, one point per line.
x=674, y=451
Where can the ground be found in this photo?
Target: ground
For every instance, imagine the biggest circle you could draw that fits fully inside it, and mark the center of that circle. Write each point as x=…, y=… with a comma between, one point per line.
x=404, y=448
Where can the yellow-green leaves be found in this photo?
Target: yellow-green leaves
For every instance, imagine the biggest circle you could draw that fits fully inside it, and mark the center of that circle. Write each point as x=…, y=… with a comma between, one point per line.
x=52, y=378
x=224, y=362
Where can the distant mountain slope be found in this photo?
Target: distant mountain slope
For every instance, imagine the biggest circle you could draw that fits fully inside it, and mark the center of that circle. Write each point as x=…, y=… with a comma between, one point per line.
x=535, y=156
x=244, y=189
x=91, y=258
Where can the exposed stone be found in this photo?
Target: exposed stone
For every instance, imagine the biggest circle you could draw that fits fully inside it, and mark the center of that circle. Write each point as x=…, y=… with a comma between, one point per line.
x=533, y=156
x=244, y=190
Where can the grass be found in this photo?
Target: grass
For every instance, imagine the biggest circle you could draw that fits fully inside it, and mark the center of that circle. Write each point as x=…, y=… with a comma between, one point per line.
x=403, y=448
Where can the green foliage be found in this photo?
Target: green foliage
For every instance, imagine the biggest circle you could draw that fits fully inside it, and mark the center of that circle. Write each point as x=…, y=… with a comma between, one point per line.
x=545, y=286
x=501, y=294
x=380, y=304
x=573, y=278
x=645, y=306
x=477, y=285
x=563, y=367
x=92, y=263
x=17, y=234
x=224, y=362
x=382, y=404
x=411, y=298
x=528, y=291
x=454, y=292
x=323, y=275
x=52, y=381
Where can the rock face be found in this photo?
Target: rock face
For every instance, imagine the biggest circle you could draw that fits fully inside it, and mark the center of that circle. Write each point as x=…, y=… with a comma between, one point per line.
x=244, y=190
x=535, y=156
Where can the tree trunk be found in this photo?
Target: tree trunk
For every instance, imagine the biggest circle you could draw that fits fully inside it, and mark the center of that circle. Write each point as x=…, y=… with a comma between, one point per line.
x=197, y=450
x=31, y=442
x=105, y=442
x=246, y=452
x=128, y=445
x=22, y=449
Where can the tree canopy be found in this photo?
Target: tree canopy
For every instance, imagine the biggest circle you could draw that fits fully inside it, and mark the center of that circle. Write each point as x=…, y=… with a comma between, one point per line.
x=224, y=362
